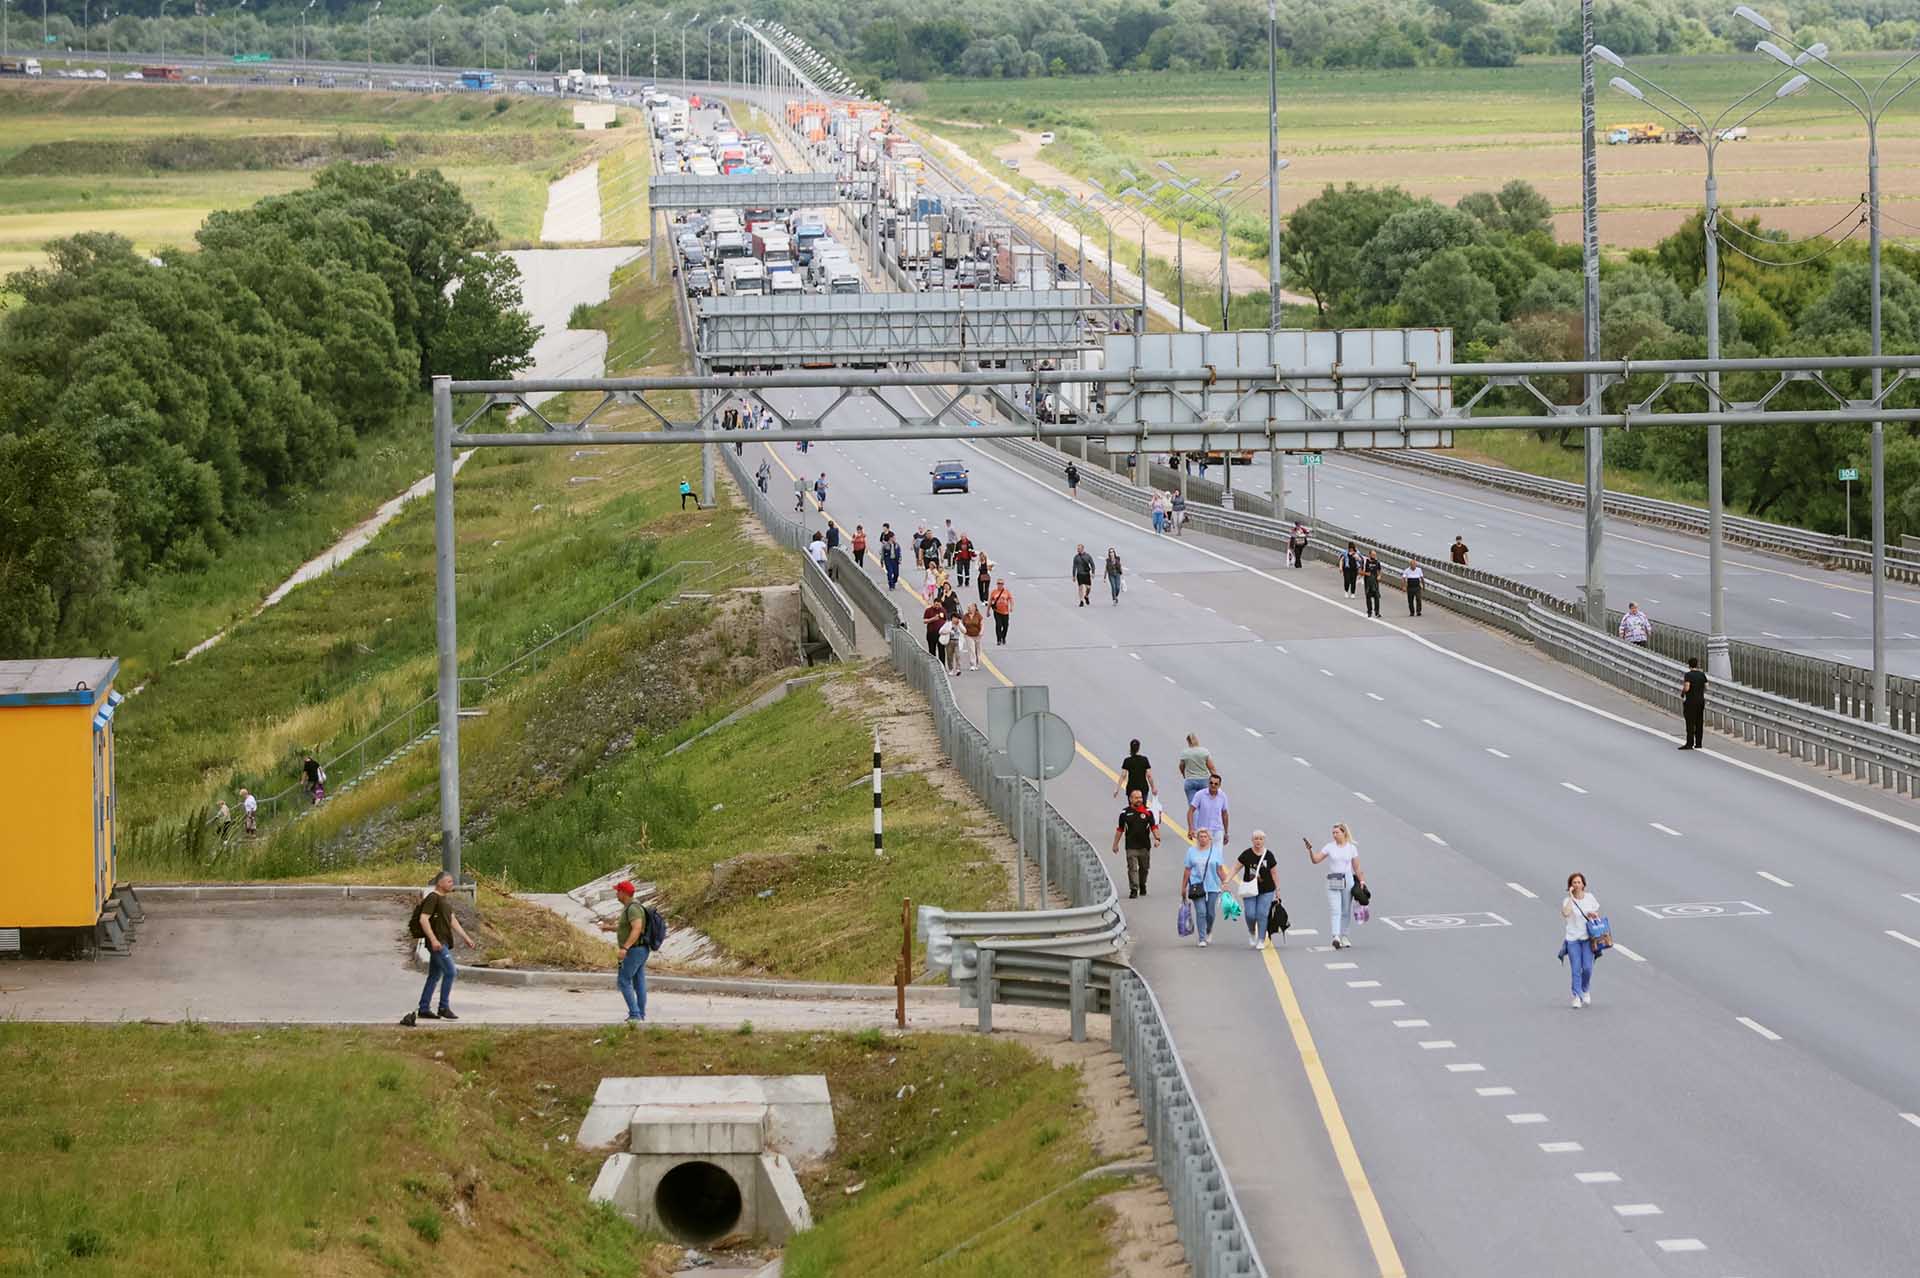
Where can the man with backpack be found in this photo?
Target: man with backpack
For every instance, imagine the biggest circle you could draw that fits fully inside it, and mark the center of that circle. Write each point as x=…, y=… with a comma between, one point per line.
x=433, y=921
x=639, y=932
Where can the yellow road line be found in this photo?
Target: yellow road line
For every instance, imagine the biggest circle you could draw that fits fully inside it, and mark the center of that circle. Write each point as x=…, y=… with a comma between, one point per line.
x=1372, y=1220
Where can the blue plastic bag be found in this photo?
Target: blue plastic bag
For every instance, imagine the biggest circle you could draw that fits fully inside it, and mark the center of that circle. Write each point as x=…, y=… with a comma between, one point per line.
x=1183, y=922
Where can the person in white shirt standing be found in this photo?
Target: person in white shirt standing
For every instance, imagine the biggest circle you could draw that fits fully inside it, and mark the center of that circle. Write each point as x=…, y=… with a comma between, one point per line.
x=1342, y=857
x=1577, y=909
x=1636, y=627
x=250, y=811
x=1415, y=579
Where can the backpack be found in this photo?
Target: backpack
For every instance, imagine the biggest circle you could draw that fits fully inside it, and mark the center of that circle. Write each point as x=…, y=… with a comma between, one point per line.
x=656, y=934
x=413, y=918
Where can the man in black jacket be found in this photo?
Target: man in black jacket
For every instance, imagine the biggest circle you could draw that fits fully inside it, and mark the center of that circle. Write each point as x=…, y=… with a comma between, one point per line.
x=1370, y=578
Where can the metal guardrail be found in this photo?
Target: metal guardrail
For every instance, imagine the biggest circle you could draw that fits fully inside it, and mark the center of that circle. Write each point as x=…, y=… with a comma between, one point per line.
x=1827, y=738
x=826, y=601
x=1854, y=553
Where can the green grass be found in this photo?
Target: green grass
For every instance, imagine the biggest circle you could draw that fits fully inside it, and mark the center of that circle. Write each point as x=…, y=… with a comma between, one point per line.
x=180, y=1150
x=623, y=185
x=1524, y=450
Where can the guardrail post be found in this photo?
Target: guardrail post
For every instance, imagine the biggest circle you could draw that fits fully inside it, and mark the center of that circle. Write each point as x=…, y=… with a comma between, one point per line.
x=983, y=984
x=1080, y=970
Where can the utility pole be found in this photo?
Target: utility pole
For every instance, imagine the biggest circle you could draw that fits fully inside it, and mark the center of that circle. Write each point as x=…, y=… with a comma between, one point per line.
x=1596, y=609
x=1273, y=168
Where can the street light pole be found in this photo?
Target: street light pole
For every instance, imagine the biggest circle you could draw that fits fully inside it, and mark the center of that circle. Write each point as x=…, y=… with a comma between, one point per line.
x=1273, y=170
x=1596, y=609
x=370, y=16
x=1719, y=655
x=1871, y=113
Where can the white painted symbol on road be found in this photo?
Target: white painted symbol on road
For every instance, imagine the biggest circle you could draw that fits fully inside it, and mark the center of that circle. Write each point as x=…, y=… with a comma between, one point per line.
x=1701, y=910
x=1442, y=922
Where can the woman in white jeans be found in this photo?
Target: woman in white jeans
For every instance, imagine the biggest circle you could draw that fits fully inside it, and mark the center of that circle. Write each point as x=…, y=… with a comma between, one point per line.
x=1342, y=857
x=1579, y=906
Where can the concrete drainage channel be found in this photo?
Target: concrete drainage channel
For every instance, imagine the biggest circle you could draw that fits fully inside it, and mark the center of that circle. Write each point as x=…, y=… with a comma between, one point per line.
x=708, y=1159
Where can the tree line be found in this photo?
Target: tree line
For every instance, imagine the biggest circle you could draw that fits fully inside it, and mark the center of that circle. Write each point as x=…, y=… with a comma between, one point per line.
x=152, y=407
x=920, y=40
x=1489, y=268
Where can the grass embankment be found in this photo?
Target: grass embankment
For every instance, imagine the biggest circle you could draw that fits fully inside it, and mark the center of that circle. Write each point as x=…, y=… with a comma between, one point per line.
x=624, y=171
x=1525, y=451
x=184, y=1150
x=151, y=161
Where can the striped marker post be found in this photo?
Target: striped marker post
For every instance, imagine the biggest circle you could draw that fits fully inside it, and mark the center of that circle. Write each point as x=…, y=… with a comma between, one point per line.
x=877, y=821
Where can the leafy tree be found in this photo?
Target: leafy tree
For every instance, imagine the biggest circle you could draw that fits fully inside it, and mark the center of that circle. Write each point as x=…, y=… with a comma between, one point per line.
x=1326, y=239
x=1517, y=209
x=1847, y=305
x=1405, y=241
x=1488, y=46
x=487, y=335
x=1445, y=291
x=56, y=528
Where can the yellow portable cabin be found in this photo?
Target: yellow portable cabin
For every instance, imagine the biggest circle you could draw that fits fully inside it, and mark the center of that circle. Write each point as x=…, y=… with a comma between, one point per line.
x=57, y=848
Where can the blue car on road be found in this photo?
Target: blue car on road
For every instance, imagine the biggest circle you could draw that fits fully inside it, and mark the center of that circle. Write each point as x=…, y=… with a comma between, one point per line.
x=949, y=474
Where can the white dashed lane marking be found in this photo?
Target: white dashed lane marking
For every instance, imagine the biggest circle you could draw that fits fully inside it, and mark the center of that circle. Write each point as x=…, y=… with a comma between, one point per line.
x=1467, y=1067
x=1523, y=891
x=1637, y=1209
x=1561, y=1147
x=1434, y=838
x=1758, y=1028
x=1376, y=696
x=1680, y=1244
x=1498, y=754
x=1493, y=1091
x=1597, y=1178
x=1773, y=878
x=1526, y=1120
x=1664, y=829
x=1568, y=785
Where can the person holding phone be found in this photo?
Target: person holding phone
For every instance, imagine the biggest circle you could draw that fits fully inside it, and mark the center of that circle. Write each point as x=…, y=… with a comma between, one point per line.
x=1577, y=909
x=1341, y=855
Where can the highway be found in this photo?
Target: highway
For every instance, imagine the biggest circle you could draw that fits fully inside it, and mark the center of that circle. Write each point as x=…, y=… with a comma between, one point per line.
x=1741, y=1098
x=1771, y=599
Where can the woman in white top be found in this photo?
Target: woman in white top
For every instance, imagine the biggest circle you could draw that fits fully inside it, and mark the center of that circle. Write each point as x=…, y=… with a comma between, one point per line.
x=1342, y=855
x=1579, y=906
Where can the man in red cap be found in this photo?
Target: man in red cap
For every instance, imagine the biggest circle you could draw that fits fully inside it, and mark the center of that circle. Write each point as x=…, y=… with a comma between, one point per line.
x=630, y=934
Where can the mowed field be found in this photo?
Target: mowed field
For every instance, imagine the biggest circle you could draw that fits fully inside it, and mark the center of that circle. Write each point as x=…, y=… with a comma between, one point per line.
x=1445, y=132
x=151, y=161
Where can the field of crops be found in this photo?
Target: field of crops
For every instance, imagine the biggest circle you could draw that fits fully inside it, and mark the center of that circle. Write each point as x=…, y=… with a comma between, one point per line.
x=1444, y=132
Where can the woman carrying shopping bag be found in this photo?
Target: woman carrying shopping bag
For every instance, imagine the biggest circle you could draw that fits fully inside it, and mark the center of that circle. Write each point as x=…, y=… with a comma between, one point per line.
x=1587, y=936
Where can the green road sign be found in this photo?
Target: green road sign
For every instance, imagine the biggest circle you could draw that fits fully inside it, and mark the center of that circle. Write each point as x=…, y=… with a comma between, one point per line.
x=1848, y=474
x=1310, y=459
x=253, y=57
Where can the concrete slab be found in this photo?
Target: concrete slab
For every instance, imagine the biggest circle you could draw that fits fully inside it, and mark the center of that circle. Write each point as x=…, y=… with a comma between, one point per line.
x=799, y=1108
x=698, y=1129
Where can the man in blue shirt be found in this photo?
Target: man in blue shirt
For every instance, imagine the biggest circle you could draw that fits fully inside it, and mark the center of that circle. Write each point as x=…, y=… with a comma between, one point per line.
x=1207, y=810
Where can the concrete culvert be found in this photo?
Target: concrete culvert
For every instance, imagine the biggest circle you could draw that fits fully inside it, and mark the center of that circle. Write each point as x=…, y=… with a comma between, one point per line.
x=697, y=1202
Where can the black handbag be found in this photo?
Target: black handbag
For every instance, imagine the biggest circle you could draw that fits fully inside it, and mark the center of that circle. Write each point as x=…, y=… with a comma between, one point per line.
x=1276, y=917
x=1362, y=894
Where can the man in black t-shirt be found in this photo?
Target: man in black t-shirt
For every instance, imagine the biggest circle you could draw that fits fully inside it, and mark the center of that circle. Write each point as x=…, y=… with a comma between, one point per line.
x=1141, y=829
x=1693, y=704
x=1370, y=579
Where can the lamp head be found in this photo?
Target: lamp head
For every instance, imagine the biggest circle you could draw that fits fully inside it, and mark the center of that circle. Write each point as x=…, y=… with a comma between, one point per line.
x=1627, y=87
x=1816, y=52
x=1747, y=14
x=1775, y=52
x=1608, y=56
x=1792, y=86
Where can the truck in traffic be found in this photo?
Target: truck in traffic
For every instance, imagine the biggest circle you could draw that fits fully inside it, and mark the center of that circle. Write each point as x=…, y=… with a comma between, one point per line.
x=477, y=81
x=914, y=243
x=744, y=277
x=773, y=247
x=20, y=66
x=171, y=74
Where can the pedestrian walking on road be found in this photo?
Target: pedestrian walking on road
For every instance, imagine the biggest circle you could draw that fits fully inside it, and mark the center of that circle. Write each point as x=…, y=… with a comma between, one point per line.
x=762, y=476
x=962, y=559
x=1693, y=704
x=686, y=495
x=920, y=545
x=438, y=927
x=1414, y=578
x=1208, y=810
x=934, y=617
x=1140, y=827
x=1297, y=544
x=890, y=556
x=1196, y=766
x=1636, y=627
x=1459, y=551
x=983, y=579
x=1159, y=510
x=1073, y=482
x=630, y=935
x=971, y=623
x=860, y=545
x=1341, y=856
x=1255, y=886
x=820, y=490
x=1580, y=948
x=833, y=534
x=1136, y=773
x=950, y=640
x=1001, y=601
x=1370, y=579
x=1179, y=515
x=1116, y=581
x=249, y=812
x=1082, y=573
x=1349, y=569
x=1200, y=882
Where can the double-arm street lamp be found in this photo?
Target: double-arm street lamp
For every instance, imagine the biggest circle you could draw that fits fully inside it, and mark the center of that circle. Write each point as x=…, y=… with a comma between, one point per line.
x=430, y=17
x=1871, y=104
x=686, y=85
x=1711, y=133
x=370, y=16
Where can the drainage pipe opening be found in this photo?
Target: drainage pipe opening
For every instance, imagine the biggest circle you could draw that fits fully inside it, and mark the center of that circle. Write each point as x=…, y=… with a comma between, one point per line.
x=697, y=1202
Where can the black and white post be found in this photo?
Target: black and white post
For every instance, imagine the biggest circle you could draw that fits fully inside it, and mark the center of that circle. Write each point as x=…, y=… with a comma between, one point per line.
x=878, y=823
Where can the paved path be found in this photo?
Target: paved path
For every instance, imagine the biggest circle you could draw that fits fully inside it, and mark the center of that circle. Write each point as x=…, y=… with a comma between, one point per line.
x=269, y=962
x=1735, y=1101
x=573, y=208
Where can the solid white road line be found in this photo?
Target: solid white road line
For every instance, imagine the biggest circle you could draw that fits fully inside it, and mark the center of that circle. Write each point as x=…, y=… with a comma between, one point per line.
x=1597, y=1178
x=1328, y=673
x=1912, y=1118
x=1430, y=723
x=1253, y=732
x=1912, y=896
x=1758, y=1028
x=1637, y=1209
x=1568, y=785
x=1376, y=696
x=1363, y=798
x=1525, y=1120
x=1664, y=829
x=1902, y=936
x=1208, y=704
x=1773, y=878
x=1498, y=754
x=1493, y=1091
x=1302, y=762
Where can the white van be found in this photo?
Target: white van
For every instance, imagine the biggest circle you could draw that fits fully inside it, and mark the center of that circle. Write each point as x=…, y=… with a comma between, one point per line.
x=1046, y=139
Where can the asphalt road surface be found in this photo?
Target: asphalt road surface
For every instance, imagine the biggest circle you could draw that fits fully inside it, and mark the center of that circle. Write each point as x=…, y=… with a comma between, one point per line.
x=1742, y=1097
